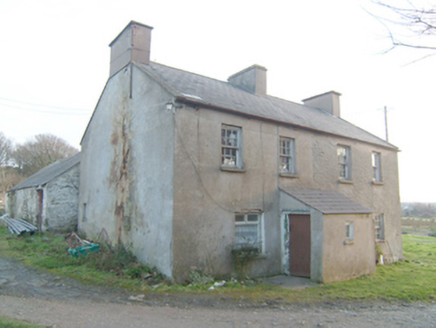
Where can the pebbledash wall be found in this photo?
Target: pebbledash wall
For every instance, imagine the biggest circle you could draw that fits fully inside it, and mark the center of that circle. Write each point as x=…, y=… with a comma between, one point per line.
x=59, y=203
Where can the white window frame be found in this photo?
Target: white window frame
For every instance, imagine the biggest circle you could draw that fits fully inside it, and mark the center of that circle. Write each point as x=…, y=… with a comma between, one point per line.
x=245, y=220
x=287, y=155
x=349, y=231
x=231, y=146
x=344, y=162
x=376, y=166
x=379, y=226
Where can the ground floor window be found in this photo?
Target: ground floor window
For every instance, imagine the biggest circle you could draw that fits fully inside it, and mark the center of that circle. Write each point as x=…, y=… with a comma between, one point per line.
x=349, y=231
x=248, y=230
x=379, y=223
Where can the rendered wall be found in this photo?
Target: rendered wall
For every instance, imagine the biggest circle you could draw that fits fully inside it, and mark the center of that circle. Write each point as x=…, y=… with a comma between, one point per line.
x=206, y=197
x=317, y=168
x=126, y=169
x=344, y=260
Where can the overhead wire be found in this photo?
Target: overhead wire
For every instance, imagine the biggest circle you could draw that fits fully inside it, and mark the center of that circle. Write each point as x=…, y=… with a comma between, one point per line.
x=64, y=110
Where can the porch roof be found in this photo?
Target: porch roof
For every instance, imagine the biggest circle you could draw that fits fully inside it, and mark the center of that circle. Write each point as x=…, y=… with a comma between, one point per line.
x=327, y=201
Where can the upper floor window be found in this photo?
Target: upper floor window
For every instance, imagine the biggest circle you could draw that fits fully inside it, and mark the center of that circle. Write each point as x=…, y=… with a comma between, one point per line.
x=248, y=230
x=231, y=152
x=379, y=224
x=344, y=161
x=287, y=155
x=376, y=167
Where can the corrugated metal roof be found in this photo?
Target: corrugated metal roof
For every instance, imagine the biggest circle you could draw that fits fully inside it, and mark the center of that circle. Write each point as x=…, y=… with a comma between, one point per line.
x=204, y=90
x=328, y=201
x=49, y=173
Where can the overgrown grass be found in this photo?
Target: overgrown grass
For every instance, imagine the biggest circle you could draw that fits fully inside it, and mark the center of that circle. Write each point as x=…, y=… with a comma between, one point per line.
x=409, y=280
x=9, y=323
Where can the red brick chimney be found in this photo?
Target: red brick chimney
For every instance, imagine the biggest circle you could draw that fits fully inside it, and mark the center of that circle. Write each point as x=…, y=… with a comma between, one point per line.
x=131, y=45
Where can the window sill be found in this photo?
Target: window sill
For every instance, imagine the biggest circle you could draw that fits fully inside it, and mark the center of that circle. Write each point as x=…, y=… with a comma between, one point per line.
x=348, y=242
x=380, y=241
x=377, y=183
x=288, y=175
x=232, y=169
x=344, y=181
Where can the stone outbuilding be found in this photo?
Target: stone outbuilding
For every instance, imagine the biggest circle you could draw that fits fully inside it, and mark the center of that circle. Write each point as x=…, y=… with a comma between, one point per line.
x=49, y=198
x=185, y=168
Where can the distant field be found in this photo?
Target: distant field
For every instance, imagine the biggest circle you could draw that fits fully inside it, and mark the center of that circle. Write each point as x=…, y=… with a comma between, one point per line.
x=419, y=226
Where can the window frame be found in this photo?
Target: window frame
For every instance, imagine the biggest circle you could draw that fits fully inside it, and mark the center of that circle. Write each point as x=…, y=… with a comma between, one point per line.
x=379, y=227
x=260, y=229
x=349, y=231
x=237, y=148
x=288, y=155
x=376, y=166
x=345, y=164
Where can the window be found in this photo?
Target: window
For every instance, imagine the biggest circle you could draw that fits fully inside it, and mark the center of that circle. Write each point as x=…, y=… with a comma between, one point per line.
x=376, y=167
x=248, y=230
x=344, y=161
x=379, y=223
x=287, y=155
x=231, y=146
x=349, y=231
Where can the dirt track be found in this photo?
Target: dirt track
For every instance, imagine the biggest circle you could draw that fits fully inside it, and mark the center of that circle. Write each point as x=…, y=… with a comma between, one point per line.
x=41, y=297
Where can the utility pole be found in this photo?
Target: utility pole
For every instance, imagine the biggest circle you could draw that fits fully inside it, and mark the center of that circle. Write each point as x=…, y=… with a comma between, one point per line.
x=386, y=123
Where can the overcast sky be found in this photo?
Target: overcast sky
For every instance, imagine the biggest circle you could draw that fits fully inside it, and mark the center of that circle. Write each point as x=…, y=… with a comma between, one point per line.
x=55, y=63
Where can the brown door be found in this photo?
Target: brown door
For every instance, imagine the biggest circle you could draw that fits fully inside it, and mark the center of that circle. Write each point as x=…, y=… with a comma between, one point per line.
x=299, y=245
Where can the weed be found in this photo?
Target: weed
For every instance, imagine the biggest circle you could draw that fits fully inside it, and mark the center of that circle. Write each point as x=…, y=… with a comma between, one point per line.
x=9, y=323
x=242, y=256
x=198, y=277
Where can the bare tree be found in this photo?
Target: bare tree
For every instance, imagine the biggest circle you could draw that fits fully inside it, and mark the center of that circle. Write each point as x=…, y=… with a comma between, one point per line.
x=41, y=151
x=5, y=177
x=410, y=24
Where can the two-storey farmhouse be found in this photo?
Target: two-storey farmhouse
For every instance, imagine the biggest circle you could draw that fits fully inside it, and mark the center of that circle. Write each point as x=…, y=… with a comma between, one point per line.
x=184, y=168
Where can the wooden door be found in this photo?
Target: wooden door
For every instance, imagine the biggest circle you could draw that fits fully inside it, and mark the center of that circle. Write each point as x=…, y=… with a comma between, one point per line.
x=299, y=245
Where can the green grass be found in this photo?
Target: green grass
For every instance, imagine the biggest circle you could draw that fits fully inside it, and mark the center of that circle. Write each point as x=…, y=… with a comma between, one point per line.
x=9, y=323
x=410, y=280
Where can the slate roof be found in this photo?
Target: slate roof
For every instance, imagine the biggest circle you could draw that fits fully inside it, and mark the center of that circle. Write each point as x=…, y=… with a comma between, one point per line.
x=194, y=88
x=49, y=173
x=328, y=201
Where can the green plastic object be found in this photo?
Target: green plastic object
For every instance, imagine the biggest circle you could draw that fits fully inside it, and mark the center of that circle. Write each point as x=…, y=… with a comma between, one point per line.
x=84, y=250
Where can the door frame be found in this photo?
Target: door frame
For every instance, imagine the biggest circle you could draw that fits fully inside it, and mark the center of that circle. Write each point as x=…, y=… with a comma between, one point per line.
x=285, y=237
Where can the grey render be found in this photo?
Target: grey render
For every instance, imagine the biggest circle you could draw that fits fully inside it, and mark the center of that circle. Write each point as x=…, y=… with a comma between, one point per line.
x=48, y=198
x=151, y=174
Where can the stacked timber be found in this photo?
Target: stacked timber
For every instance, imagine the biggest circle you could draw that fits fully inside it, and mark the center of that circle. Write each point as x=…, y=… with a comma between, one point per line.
x=18, y=226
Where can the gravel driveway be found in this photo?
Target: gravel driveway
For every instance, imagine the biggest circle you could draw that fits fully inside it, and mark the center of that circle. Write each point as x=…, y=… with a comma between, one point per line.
x=41, y=297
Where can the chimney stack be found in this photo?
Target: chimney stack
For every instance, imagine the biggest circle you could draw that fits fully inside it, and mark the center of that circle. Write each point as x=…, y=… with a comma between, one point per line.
x=131, y=45
x=328, y=102
x=251, y=79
